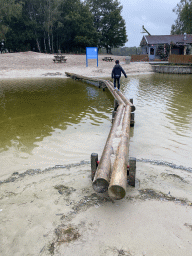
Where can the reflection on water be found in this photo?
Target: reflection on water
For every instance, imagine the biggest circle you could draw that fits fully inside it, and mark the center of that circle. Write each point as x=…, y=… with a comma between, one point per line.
x=50, y=121
x=163, y=128
x=47, y=122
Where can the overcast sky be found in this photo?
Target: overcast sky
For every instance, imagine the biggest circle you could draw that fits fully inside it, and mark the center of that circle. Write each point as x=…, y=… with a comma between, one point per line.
x=157, y=16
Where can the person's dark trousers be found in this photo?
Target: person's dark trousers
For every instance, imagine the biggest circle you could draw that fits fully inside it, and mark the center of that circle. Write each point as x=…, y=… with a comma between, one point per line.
x=117, y=80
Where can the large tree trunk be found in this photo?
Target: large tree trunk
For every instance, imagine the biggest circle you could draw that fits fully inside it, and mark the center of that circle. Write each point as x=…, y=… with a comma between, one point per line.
x=58, y=48
x=44, y=40
x=49, y=42
x=38, y=45
x=52, y=43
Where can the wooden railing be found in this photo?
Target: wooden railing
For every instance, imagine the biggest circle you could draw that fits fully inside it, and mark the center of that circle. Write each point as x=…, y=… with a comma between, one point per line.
x=142, y=57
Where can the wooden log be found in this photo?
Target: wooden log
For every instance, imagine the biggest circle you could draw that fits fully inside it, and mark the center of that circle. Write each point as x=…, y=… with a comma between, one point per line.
x=114, y=93
x=126, y=101
x=118, y=182
x=103, y=173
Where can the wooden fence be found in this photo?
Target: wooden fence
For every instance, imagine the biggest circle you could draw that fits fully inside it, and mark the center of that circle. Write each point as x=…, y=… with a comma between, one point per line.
x=142, y=57
x=180, y=59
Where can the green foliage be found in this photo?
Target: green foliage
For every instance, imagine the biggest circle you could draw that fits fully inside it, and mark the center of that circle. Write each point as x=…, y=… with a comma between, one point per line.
x=183, y=23
x=163, y=51
x=77, y=26
x=52, y=25
x=8, y=9
x=109, y=23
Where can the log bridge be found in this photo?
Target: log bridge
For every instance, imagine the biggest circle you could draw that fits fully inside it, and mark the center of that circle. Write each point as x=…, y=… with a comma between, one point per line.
x=115, y=169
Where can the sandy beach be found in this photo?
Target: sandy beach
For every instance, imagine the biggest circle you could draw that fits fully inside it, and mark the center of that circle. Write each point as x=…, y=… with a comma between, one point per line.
x=55, y=211
x=31, y=65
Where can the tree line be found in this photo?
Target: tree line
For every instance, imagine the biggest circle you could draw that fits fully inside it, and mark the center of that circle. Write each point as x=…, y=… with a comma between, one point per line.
x=52, y=25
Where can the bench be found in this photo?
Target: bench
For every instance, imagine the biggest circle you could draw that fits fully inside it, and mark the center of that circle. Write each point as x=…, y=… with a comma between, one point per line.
x=59, y=58
x=107, y=59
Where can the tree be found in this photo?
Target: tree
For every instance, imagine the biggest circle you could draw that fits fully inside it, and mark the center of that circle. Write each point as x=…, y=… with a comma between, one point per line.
x=42, y=14
x=76, y=26
x=110, y=25
x=47, y=25
x=8, y=10
x=183, y=23
x=34, y=27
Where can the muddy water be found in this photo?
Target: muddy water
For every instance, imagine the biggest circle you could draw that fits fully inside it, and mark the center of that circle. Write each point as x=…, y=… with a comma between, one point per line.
x=163, y=118
x=48, y=122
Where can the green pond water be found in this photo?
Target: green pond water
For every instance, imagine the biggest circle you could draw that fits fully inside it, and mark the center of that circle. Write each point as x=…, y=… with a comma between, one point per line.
x=48, y=122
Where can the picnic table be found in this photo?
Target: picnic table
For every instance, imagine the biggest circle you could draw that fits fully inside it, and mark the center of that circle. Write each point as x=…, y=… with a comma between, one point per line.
x=59, y=58
x=107, y=59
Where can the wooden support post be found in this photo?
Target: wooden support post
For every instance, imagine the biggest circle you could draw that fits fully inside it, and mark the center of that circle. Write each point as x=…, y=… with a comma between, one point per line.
x=118, y=182
x=132, y=171
x=116, y=104
x=126, y=101
x=113, y=115
x=132, y=122
x=103, y=173
x=94, y=160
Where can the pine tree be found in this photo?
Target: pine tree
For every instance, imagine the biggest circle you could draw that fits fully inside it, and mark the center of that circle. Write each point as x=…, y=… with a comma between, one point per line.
x=110, y=25
x=183, y=23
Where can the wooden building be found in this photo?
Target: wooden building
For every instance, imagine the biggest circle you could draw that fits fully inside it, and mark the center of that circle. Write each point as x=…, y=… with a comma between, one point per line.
x=169, y=44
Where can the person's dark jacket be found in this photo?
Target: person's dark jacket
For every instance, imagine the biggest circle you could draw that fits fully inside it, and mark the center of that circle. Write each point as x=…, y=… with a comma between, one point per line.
x=116, y=72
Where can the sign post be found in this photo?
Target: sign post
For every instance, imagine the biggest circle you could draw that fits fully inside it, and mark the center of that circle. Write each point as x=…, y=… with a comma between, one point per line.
x=91, y=53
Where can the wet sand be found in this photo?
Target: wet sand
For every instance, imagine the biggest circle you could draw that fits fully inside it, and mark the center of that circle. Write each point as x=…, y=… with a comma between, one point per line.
x=55, y=211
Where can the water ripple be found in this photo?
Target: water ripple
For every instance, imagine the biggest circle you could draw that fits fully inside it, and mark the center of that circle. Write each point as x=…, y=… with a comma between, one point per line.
x=164, y=163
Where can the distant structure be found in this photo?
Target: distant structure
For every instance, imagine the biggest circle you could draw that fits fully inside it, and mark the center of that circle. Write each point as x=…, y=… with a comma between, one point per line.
x=171, y=44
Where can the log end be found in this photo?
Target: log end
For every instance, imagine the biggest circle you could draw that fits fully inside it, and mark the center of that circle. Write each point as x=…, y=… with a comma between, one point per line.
x=116, y=192
x=100, y=185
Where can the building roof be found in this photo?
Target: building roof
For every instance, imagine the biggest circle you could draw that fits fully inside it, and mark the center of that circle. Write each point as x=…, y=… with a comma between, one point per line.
x=167, y=39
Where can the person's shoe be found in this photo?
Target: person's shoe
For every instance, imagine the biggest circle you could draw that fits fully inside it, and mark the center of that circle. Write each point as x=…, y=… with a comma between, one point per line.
x=114, y=88
x=118, y=90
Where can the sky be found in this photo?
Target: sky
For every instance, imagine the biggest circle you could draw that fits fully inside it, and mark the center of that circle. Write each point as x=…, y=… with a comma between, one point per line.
x=157, y=16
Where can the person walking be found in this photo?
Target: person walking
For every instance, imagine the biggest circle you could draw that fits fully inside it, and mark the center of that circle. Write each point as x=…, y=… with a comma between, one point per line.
x=116, y=74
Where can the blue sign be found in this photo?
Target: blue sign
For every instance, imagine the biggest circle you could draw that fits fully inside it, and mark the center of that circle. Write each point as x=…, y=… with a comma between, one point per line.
x=91, y=53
